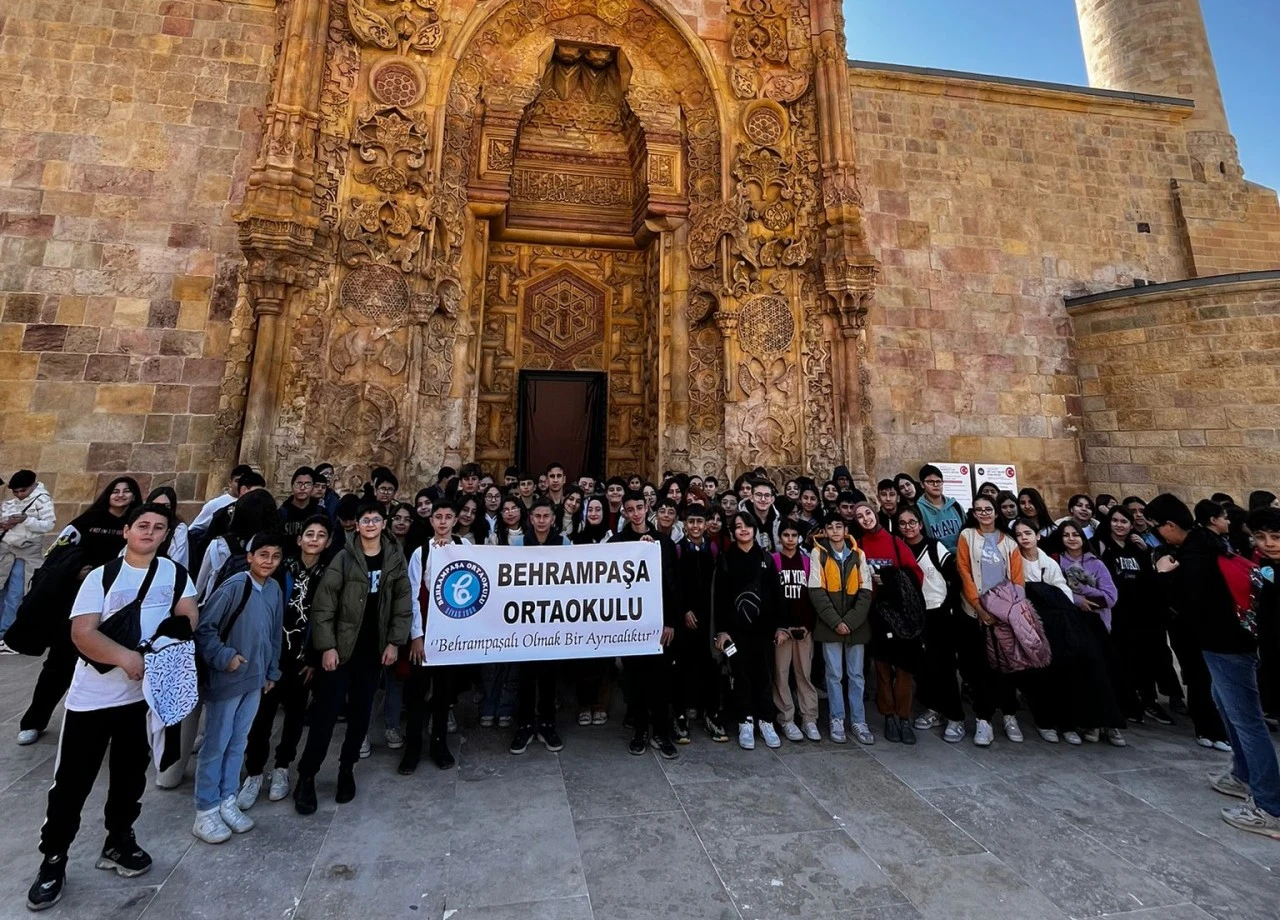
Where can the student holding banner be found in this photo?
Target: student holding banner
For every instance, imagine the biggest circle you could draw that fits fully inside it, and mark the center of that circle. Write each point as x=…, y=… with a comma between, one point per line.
x=422, y=680
x=652, y=675
x=536, y=699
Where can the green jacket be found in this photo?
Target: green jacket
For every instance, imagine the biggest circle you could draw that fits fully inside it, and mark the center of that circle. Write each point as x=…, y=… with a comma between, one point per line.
x=338, y=608
x=841, y=593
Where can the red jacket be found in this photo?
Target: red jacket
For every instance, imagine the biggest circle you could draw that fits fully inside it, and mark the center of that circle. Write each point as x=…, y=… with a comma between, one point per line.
x=880, y=547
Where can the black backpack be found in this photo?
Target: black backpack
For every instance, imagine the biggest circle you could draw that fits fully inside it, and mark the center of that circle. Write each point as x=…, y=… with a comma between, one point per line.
x=899, y=602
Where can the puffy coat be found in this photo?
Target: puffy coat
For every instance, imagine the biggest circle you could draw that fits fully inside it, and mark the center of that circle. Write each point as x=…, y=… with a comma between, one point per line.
x=1016, y=642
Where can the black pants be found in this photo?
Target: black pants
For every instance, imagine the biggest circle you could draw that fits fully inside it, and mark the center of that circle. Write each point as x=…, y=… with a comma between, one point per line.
x=936, y=683
x=55, y=677
x=1142, y=651
x=990, y=688
x=1205, y=719
x=750, y=670
x=352, y=684
x=650, y=678
x=289, y=694
x=536, y=698
x=438, y=682
x=697, y=672
x=82, y=746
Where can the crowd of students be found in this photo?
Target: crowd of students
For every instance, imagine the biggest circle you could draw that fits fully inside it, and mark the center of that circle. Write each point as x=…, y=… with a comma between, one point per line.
x=773, y=599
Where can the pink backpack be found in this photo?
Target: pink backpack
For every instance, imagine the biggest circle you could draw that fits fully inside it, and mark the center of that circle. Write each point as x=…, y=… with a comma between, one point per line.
x=1016, y=642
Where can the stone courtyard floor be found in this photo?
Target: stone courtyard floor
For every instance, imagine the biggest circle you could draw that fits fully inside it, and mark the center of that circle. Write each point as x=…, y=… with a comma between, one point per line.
x=811, y=831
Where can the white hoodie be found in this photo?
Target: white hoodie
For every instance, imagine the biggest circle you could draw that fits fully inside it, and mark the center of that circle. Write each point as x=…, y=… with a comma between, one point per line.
x=38, y=507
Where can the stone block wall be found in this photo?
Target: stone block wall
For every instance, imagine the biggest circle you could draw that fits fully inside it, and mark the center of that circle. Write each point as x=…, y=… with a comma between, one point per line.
x=987, y=203
x=126, y=133
x=1181, y=387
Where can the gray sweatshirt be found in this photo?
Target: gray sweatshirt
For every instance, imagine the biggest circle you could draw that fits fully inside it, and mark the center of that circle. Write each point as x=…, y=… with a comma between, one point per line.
x=255, y=636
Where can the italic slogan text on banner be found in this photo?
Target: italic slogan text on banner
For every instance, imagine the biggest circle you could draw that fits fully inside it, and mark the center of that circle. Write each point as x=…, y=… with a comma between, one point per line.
x=516, y=603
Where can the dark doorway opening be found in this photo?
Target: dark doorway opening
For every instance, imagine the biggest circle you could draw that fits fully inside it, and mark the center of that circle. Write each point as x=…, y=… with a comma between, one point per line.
x=563, y=418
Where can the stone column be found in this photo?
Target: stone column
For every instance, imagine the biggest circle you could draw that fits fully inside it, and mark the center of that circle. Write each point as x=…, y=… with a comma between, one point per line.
x=673, y=254
x=278, y=218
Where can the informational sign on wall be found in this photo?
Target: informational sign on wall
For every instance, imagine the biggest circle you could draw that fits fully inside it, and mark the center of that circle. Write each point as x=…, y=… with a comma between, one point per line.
x=1003, y=475
x=957, y=482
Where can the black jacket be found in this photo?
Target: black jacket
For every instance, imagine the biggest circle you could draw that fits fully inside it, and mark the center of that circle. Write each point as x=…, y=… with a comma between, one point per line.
x=1198, y=594
x=694, y=571
x=672, y=613
x=737, y=572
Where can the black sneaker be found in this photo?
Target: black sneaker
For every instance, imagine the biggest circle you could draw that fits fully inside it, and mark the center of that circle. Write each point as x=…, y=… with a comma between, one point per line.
x=346, y=786
x=46, y=890
x=125, y=856
x=715, y=730
x=663, y=746
x=548, y=735
x=681, y=730
x=892, y=729
x=408, y=765
x=639, y=742
x=520, y=743
x=1159, y=713
x=304, y=795
x=440, y=755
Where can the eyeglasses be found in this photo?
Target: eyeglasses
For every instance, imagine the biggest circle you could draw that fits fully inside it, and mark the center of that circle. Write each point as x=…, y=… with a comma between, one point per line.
x=370, y=521
x=933, y=482
x=984, y=510
x=905, y=524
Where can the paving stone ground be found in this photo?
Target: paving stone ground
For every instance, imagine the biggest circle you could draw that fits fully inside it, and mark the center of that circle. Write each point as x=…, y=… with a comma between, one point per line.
x=819, y=831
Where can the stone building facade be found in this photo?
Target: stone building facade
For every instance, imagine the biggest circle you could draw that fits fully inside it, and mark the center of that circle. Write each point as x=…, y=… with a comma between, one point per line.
x=354, y=230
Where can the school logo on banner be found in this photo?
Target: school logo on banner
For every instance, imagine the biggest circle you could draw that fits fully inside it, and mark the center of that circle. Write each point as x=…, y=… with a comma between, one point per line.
x=461, y=589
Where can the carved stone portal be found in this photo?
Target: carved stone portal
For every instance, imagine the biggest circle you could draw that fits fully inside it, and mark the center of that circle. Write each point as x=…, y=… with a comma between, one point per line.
x=476, y=189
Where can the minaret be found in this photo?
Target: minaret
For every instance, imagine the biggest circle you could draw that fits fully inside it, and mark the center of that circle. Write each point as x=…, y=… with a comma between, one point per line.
x=1160, y=47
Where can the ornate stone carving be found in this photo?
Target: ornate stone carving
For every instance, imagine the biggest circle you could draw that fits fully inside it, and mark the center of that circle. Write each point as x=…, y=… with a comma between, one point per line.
x=396, y=81
x=565, y=313
x=765, y=325
x=400, y=25
x=569, y=188
x=376, y=295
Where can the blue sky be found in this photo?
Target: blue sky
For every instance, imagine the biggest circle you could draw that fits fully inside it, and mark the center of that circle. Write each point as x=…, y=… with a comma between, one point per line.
x=1039, y=40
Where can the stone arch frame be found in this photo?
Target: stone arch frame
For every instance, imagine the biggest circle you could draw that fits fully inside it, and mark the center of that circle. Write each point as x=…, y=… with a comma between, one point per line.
x=676, y=90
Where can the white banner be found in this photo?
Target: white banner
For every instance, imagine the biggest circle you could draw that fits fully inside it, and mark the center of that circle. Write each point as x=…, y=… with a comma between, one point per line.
x=514, y=603
x=957, y=482
x=1004, y=476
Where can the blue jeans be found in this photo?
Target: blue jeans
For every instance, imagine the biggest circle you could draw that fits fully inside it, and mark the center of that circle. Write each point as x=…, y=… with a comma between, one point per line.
x=853, y=657
x=226, y=734
x=11, y=596
x=1235, y=692
x=501, y=683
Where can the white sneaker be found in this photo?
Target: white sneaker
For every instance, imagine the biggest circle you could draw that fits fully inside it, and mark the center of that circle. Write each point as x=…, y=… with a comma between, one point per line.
x=927, y=720
x=1050, y=735
x=1092, y=735
x=746, y=736
x=811, y=731
x=237, y=820
x=770, y=736
x=1115, y=738
x=983, y=733
x=1249, y=817
x=28, y=736
x=1204, y=742
x=1072, y=738
x=1222, y=746
x=954, y=732
x=395, y=740
x=1226, y=783
x=210, y=827
x=451, y=726
x=837, y=731
x=279, y=785
x=487, y=721
x=249, y=792
x=862, y=731
x=792, y=731
x=366, y=748
x=5, y=650
x=1012, y=730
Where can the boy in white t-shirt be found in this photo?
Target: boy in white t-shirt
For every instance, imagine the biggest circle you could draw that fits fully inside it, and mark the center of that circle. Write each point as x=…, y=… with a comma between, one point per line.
x=109, y=709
